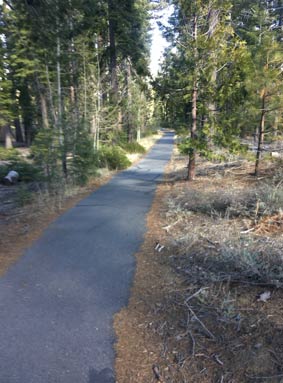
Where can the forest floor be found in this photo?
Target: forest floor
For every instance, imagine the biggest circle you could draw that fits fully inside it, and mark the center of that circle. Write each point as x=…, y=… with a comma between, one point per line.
x=208, y=307
x=25, y=212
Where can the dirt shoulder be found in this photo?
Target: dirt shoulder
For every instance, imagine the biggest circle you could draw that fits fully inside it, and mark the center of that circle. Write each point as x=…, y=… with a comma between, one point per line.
x=208, y=307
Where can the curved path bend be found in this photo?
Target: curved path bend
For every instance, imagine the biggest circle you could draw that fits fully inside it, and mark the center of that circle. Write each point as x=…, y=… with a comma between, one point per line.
x=57, y=302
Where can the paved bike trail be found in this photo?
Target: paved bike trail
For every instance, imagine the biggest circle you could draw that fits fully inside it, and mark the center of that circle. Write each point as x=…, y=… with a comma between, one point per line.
x=57, y=302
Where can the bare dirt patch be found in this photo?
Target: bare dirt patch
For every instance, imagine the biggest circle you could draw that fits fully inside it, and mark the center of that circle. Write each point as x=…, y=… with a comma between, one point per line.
x=208, y=307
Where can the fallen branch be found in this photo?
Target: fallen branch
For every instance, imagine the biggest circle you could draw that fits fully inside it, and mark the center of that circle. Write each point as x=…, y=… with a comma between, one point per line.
x=216, y=357
x=264, y=377
x=195, y=294
x=209, y=333
x=157, y=374
x=193, y=343
x=168, y=227
x=247, y=231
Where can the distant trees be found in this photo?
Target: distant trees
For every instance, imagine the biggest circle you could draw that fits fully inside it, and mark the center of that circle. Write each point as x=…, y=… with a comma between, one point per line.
x=222, y=75
x=68, y=72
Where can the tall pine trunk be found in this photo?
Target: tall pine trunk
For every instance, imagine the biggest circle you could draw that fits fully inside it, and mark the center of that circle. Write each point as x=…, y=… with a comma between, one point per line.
x=193, y=129
x=192, y=154
x=8, y=137
x=112, y=51
x=128, y=113
x=213, y=22
x=44, y=110
x=60, y=110
x=50, y=96
x=26, y=111
x=19, y=133
x=260, y=134
x=42, y=102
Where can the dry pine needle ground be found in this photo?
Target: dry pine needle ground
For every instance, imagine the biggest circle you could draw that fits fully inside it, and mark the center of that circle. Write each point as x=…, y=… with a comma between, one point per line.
x=208, y=307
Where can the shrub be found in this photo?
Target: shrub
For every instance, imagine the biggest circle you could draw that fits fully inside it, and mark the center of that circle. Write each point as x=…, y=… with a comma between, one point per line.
x=46, y=153
x=133, y=147
x=84, y=162
x=23, y=196
x=8, y=154
x=114, y=158
x=270, y=199
x=149, y=132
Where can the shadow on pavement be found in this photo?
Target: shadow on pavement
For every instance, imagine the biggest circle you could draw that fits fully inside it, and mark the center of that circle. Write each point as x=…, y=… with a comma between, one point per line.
x=103, y=376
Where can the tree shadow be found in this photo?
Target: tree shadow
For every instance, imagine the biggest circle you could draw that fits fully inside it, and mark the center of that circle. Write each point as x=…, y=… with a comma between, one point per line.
x=103, y=376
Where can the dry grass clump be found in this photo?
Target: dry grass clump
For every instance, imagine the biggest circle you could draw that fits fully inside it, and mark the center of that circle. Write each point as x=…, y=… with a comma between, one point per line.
x=220, y=231
x=208, y=307
x=233, y=197
x=219, y=325
x=218, y=333
x=251, y=203
x=249, y=263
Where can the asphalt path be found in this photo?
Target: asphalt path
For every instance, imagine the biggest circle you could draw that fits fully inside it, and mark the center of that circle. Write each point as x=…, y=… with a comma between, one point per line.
x=58, y=301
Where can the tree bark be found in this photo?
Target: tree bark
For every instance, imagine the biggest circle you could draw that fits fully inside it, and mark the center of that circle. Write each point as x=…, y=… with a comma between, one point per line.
x=51, y=102
x=128, y=113
x=26, y=112
x=8, y=137
x=112, y=51
x=43, y=103
x=19, y=133
x=260, y=134
x=193, y=130
x=60, y=110
x=192, y=154
x=44, y=111
x=73, y=80
x=280, y=21
x=213, y=20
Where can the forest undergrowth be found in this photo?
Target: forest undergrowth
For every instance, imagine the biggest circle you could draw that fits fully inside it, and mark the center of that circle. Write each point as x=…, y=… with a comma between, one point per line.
x=208, y=306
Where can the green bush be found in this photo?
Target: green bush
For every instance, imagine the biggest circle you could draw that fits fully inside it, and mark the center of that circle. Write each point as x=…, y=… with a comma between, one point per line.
x=8, y=154
x=149, y=132
x=133, y=147
x=85, y=162
x=114, y=158
x=270, y=199
x=46, y=153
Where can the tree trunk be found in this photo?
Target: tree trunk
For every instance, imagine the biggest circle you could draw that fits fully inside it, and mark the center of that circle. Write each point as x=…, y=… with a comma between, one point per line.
x=260, y=135
x=193, y=130
x=26, y=112
x=95, y=121
x=276, y=124
x=74, y=83
x=213, y=22
x=280, y=19
x=50, y=95
x=8, y=137
x=112, y=51
x=60, y=110
x=19, y=133
x=43, y=103
x=44, y=111
x=128, y=112
x=192, y=155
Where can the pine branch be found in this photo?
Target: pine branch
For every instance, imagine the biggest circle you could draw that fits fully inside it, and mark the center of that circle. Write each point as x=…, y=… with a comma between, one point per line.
x=9, y=4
